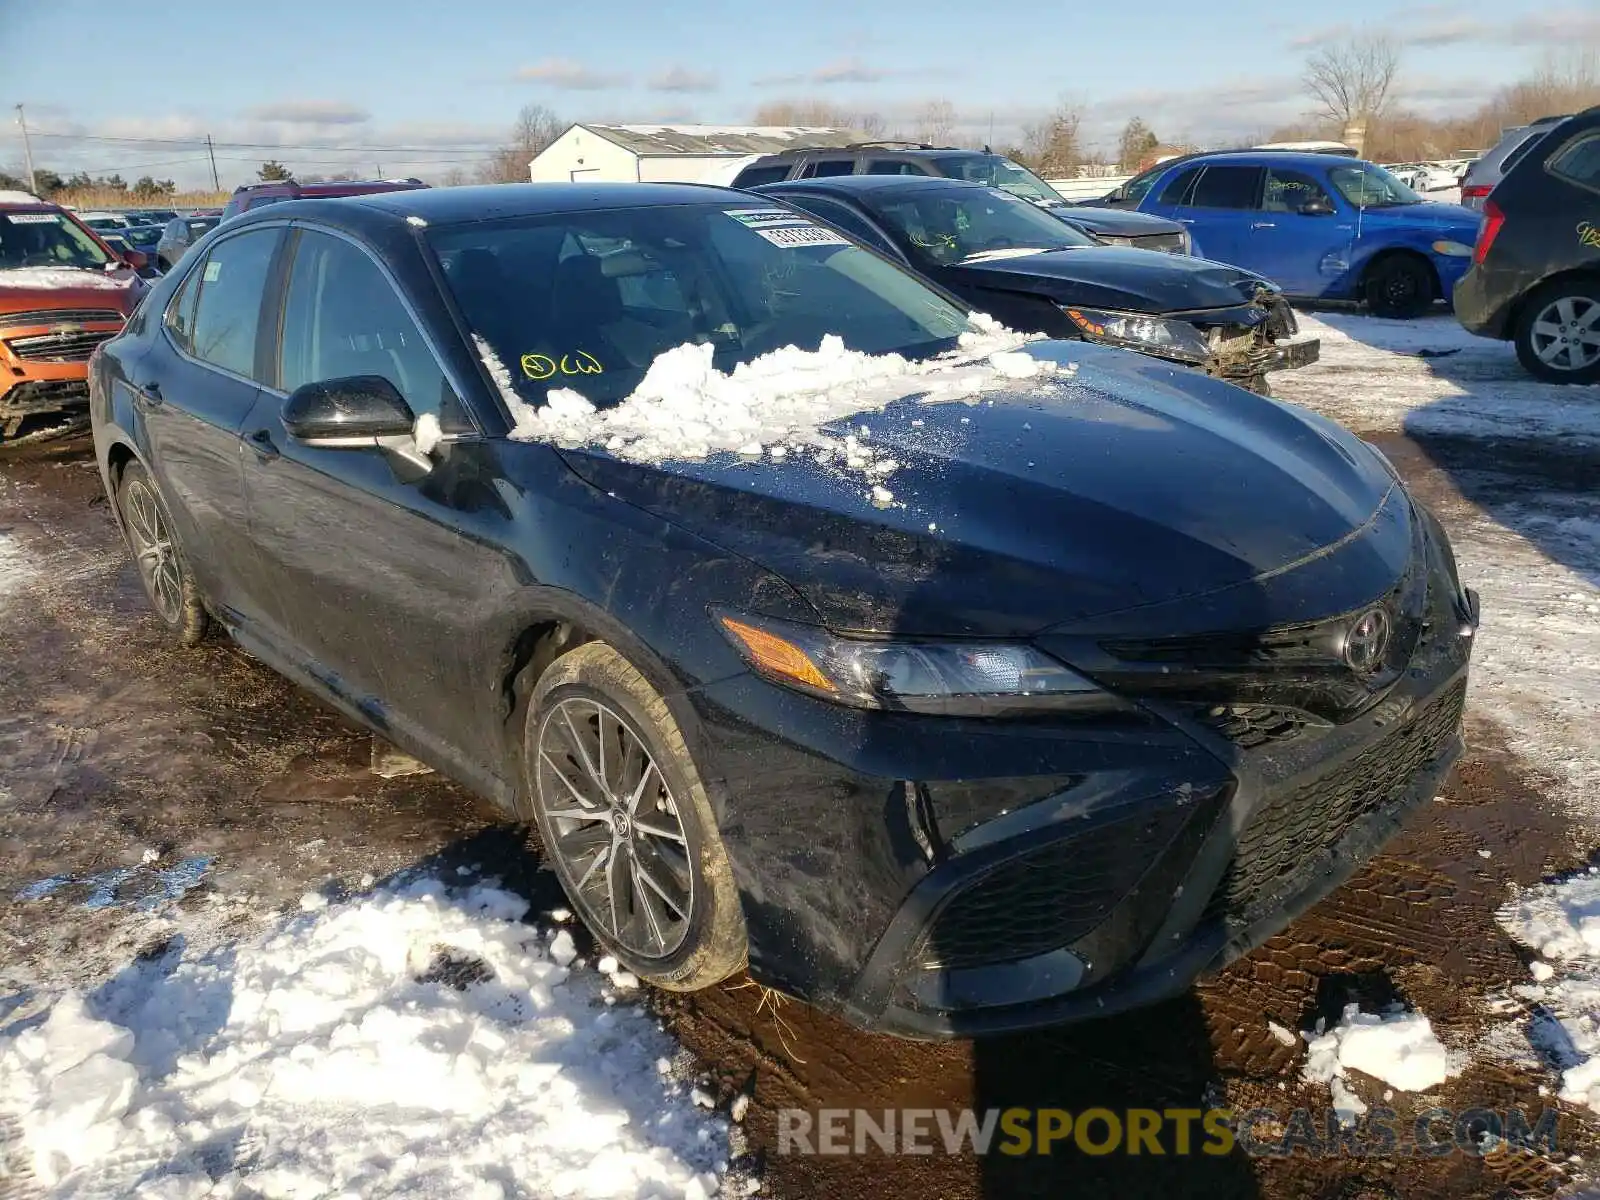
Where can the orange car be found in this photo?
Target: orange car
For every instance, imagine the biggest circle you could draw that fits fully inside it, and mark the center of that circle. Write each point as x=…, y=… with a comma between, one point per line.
x=62, y=292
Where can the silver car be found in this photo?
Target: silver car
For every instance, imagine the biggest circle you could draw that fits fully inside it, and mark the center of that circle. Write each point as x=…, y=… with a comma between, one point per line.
x=1489, y=170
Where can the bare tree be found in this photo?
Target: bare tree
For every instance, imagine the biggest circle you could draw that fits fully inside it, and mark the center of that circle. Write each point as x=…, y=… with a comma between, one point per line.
x=821, y=114
x=534, y=129
x=1053, y=146
x=935, y=123
x=1352, y=81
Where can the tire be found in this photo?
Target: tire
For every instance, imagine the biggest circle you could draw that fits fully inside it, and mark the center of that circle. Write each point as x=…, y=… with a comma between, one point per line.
x=593, y=690
x=166, y=577
x=1556, y=312
x=1398, y=286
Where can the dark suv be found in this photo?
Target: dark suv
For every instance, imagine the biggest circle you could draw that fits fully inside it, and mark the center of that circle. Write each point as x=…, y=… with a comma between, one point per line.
x=255, y=195
x=1535, y=278
x=1140, y=230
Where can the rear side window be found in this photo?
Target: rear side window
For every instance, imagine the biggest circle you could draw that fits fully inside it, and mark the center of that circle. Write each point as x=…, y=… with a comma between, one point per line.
x=342, y=317
x=846, y=219
x=1579, y=162
x=893, y=166
x=227, y=314
x=820, y=168
x=1176, y=191
x=1227, y=187
x=755, y=176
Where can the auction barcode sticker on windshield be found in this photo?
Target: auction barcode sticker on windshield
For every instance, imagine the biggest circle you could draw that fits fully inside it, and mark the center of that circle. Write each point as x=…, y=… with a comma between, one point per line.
x=33, y=218
x=784, y=228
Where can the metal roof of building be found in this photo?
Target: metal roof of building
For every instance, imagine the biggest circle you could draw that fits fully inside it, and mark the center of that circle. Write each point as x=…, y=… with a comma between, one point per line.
x=661, y=140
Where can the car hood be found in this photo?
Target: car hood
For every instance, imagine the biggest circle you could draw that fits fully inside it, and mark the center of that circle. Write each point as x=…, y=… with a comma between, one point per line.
x=1117, y=277
x=1116, y=222
x=24, y=289
x=1127, y=483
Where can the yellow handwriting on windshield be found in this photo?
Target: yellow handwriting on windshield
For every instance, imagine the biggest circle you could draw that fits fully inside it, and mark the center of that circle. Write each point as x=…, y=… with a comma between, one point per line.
x=542, y=366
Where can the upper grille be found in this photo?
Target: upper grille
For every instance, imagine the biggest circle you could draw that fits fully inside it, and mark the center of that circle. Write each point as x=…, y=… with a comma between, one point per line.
x=1049, y=897
x=74, y=346
x=59, y=316
x=1293, y=827
x=1170, y=243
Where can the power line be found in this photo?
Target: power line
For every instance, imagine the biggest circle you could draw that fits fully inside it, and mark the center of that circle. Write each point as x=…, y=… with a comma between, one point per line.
x=201, y=142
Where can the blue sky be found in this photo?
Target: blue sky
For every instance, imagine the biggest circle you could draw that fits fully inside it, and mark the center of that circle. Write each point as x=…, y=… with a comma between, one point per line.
x=435, y=83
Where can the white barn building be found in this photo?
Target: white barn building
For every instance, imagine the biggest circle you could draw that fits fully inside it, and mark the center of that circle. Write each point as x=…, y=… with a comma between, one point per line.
x=669, y=153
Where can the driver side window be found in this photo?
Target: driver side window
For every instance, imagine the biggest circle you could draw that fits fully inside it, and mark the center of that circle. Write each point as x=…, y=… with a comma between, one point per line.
x=1291, y=191
x=343, y=317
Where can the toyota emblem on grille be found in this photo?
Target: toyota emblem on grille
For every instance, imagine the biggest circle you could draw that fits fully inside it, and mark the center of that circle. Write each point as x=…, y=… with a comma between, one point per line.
x=1367, y=641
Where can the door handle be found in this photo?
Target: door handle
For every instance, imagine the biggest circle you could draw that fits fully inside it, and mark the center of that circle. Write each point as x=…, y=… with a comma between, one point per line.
x=1263, y=225
x=150, y=394
x=261, y=442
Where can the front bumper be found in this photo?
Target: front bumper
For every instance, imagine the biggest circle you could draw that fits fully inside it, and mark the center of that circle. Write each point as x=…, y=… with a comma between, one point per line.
x=888, y=872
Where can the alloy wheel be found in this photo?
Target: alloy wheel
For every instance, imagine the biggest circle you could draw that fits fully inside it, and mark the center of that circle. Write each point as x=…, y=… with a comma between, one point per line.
x=1566, y=334
x=154, y=552
x=614, y=827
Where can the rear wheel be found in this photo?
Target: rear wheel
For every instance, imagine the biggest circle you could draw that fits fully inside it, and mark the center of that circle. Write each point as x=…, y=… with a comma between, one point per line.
x=626, y=823
x=162, y=567
x=1558, y=333
x=1399, y=286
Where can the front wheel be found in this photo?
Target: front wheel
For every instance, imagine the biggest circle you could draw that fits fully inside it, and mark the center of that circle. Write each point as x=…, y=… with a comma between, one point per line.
x=1399, y=286
x=1558, y=333
x=162, y=567
x=626, y=823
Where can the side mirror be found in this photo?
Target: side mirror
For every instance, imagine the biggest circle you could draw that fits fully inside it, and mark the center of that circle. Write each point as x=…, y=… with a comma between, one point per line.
x=137, y=259
x=355, y=411
x=1316, y=208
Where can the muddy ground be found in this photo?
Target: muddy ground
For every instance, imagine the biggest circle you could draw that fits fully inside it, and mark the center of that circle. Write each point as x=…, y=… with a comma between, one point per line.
x=243, y=794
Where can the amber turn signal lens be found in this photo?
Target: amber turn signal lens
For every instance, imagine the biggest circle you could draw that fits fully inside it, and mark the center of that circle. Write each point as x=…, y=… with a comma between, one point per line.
x=771, y=653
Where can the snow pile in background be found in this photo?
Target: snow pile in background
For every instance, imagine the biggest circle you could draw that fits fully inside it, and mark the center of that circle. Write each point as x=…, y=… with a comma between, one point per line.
x=685, y=408
x=1431, y=375
x=62, y=277
x=1399, y=1049
x=1561, y=922
x=415, y=1042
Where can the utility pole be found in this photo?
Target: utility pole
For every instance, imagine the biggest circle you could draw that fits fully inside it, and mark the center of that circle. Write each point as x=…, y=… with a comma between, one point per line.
x=27, y=151
x=216, y=184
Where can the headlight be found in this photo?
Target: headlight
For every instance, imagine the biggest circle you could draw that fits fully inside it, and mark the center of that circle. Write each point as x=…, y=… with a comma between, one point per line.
x=1115, y=241
x=1138, y=331
x=1453, y=249
x=982, y=679
x=1187, y=243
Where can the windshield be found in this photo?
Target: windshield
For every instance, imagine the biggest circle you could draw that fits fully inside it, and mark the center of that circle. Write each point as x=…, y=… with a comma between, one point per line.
x=47, y=239
x=953, y=225
x=995, y=171
x=1369, y=186
x=588, y=300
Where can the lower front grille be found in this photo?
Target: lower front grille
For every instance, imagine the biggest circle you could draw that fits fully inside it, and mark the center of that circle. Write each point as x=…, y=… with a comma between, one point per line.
x=1251, y=725
x=1290, y=829
x=1049, y=897
x=61, y=347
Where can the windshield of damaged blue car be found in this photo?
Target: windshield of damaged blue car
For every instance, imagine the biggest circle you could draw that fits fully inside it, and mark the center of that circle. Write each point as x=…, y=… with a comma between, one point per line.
x=995, y=171
x=588, y=300
x=956, y=224
x=1368, y=186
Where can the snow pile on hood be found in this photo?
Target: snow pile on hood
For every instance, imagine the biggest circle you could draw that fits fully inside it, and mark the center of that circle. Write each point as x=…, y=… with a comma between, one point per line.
x=415, y=1042
x=1561, y=921
x=62, y=277
x=1398, y=1048
x=685, y=408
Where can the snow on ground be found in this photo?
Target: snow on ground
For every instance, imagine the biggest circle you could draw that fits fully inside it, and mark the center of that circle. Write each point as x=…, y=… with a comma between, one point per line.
x=15, y=568
x=1397, y=1048
x=776, y=404
x=1431, y=376
x=1561, y=923
x=413, y=1041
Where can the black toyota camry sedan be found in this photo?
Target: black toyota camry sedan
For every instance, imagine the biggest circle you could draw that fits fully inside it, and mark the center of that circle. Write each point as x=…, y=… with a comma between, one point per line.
x=995, y=684
x=1018, y=263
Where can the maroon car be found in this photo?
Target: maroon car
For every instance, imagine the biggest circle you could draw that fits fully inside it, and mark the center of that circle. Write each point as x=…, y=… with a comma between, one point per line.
x=254, y=195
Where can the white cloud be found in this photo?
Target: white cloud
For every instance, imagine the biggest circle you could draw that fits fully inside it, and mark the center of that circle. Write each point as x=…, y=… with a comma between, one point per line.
x=682, y=79
x=844, y=70
x=309, y=112
x=567, y=75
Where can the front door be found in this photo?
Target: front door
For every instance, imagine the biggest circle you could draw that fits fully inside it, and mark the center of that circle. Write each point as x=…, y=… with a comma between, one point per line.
x=375, y=577
x=1301, y=237
x=193, y=390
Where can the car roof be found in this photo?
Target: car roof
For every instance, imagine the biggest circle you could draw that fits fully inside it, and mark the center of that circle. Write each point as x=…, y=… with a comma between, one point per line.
x=1288, y=158
x=496, y=201
x=852, y=184
x=894, y=149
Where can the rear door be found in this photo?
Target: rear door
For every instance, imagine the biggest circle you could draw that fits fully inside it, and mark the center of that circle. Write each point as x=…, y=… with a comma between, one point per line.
x=193, y=390
x=1222, y=208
